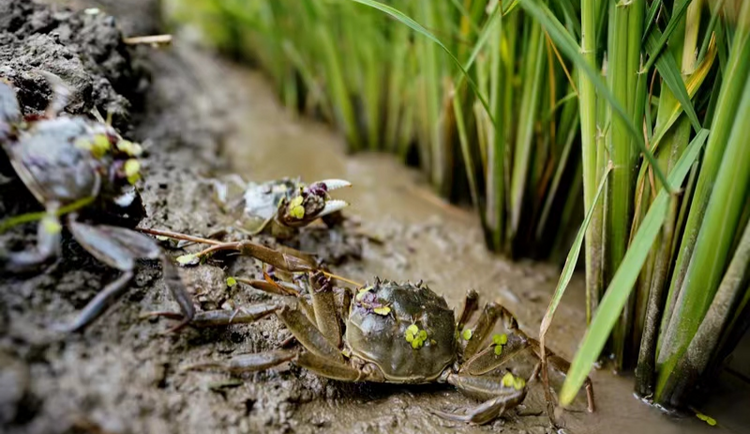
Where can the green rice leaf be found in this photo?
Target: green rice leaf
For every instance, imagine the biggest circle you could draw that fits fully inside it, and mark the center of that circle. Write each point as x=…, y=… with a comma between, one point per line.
x=571, y=260
x=402, y=18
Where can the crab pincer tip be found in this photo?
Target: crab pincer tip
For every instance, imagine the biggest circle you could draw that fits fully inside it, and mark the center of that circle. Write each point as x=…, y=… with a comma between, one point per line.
x=334, y=184
x=332, y=206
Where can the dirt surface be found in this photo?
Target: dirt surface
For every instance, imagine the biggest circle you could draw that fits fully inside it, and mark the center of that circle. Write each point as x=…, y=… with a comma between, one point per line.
x=198, y=117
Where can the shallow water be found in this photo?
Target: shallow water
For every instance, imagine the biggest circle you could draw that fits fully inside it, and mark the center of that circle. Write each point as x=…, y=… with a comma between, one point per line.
x=428, y=239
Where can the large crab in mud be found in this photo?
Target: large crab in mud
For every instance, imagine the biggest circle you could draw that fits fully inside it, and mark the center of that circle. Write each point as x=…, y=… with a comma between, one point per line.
x=83, y=168
x=279, y=207
x=391, y=332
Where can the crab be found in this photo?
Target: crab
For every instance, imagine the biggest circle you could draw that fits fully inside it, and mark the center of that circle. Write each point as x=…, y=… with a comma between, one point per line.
x=391, y=332
x=280, y=207
x=83, y=168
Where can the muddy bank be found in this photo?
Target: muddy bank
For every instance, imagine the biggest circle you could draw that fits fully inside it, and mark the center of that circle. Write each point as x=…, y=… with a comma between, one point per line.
x=199, y=117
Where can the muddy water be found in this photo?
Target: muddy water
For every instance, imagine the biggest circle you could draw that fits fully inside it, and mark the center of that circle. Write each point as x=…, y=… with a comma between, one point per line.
x=430, y=240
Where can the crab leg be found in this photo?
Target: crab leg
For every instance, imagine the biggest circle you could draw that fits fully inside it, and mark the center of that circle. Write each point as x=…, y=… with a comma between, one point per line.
x=483, y=327
x=562, y=366
x=119, y=248
x=247, y=362
x=471, y=304
x=285, y=289
x=326, y=314
x=284, y=261
x=48, y=244
x=103, y=300
x=501, y=398
x=487, y=360
x=308, y=334
x=223, y=317
x=328, y=367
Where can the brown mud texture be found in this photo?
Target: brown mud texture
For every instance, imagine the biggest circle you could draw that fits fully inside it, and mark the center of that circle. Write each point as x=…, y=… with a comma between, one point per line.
x=200, y=117
x=119, y=376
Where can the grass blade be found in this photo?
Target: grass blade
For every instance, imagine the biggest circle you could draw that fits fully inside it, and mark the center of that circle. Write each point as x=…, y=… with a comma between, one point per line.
x=570, y=262
x=402, y=18
x=567, y=45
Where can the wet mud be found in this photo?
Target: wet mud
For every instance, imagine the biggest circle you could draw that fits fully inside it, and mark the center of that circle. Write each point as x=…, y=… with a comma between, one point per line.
x=199, y=117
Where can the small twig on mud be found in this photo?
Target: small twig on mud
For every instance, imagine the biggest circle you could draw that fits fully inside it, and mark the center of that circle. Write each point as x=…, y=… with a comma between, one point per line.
x=178, y=236
x=153, y=40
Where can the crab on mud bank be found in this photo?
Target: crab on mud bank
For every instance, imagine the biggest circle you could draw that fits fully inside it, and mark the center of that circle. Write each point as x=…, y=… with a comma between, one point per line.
x=393, y=332
x=82, y=168
x=280, y=207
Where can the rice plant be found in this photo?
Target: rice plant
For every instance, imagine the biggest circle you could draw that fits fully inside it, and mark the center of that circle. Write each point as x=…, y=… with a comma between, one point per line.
x=501, y=136
x=673, y=272
x=543, y=111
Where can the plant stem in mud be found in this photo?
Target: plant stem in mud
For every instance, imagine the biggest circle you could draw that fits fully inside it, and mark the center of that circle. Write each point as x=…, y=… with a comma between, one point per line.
x=654, y=277
x=715, y=237
x=715, y=209
x=705, y=344
x=589, y=150
x=626, y=83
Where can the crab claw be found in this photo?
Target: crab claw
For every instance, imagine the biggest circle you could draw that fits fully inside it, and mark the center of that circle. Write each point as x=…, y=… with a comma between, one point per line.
x=333, y=206
x=311, y=203
x=332, y=184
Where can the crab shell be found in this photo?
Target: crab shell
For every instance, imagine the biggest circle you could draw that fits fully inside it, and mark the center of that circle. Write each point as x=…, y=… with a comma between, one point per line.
x=52, y=167
x=381, y=338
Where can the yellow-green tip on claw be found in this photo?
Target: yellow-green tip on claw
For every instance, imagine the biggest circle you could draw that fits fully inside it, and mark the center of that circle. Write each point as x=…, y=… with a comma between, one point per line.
x=296, y=209
x=231, y=281
x=519, y=383
x=467, y=334
x=385, y=310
